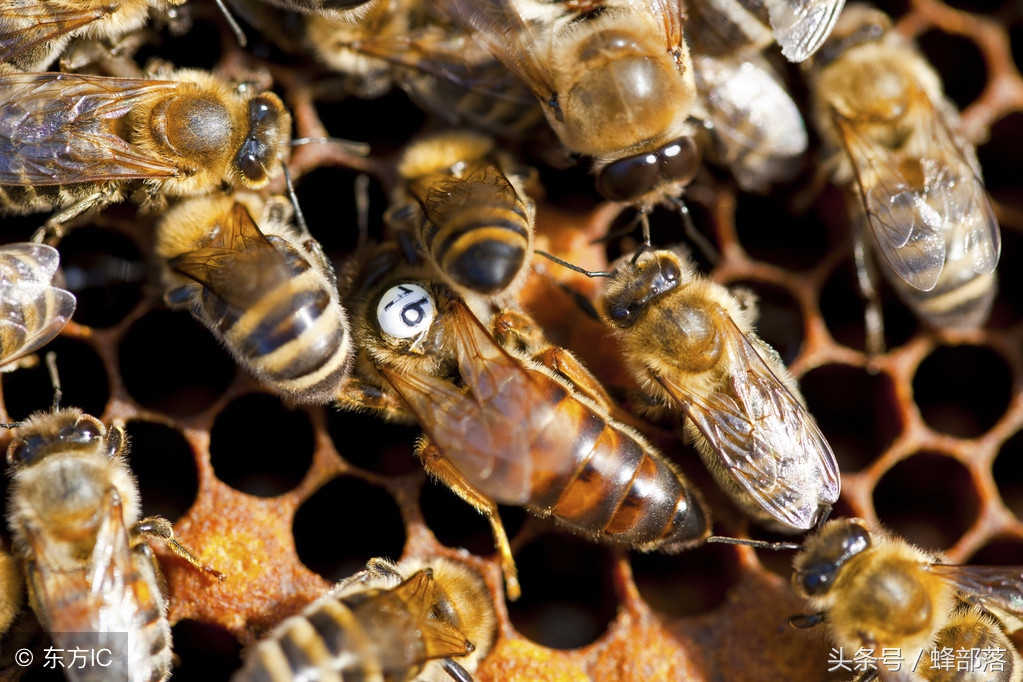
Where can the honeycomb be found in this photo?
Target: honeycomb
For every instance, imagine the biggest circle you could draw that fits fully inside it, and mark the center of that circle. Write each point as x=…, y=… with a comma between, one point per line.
x=284, y=501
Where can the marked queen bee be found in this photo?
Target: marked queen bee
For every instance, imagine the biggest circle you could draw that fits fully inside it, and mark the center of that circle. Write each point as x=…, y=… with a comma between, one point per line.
x=690, y=344
x=503, y=428
x=416, y=620
x=33, y=309
x=79, y=142
x=874, y=591
x=92, y=580
x=893, y=142
x=266, y=290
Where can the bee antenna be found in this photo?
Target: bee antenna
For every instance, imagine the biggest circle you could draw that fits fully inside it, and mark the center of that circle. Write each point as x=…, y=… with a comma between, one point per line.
x=299, y=216
x=239, y=34
x=701, y=242
x=352, y=147
x=362, y=209
x=570, y=266
x=756, y=544
x=51, y=366
x=457, y=672
x=644, y=219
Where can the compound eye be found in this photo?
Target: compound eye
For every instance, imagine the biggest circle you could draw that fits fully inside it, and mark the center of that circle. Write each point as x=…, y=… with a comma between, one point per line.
x=405, y=311
x=628, y=179
x=88, y=429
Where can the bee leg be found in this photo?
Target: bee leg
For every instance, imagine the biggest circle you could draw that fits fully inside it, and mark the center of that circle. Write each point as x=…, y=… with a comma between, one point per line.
x=438, y=467
x=54, y=229
x=359, y=395
x=866, y=275
x=161, y=529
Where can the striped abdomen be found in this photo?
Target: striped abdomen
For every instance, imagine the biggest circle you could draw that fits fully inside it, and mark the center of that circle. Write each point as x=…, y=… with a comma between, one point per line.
x=33, y=310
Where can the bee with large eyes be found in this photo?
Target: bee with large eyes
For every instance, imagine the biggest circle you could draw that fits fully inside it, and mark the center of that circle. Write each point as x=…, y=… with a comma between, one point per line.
x=616, y=84
x=893, y=141
x=33, y=309
x=466, y=203
x=266, y=290
x=503, y=428
x=690, y=344
x=78, y=142
x=33, y=33
x=416, y=620
x=874, y=591
x=92, y=580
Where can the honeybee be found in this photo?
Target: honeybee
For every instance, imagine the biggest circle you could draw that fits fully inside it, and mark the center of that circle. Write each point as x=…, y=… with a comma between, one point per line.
x=429, y=621
x=690, y=344
x=266, y=291
x=32, y=309
x=874, y=591
x=92, y=580
x=79, y=142
x=502, y=428
x=616, y=84
x=33, y=33
x=467, y=204
x=893, y=141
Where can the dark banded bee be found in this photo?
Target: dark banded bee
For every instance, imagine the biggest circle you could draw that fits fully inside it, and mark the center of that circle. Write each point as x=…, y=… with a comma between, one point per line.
x=468, y=206
x=266, y=291
x=79, y=142
x=74, y=517
x=428, y=621
x=32, y=309
x=503, y=428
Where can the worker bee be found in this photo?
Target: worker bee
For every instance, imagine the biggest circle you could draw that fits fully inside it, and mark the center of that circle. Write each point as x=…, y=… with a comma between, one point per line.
x=502, y=428
x=892, y=135
x=266, y=291
x=690, y=344
x=33, y=33
x=32, y=309
x=875, y=592
x=79, y=142
x=429, y=621
x=92, y=580
x=616, y=84
x=467, y=204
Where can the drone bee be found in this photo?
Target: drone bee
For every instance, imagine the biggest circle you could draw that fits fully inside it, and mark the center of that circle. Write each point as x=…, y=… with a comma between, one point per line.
x=502, y=428
x=266, y=291
x=468, y=206
x=429, y=621
x=33, y=33
x=616, y=85
x=79, y=142
x=893, y=140
x=74, y=514
x=690, y=344
x=32, y=309
x=875, y=591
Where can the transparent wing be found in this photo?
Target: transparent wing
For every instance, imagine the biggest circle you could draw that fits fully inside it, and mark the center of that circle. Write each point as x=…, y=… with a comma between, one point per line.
x=32, y=311
x=764, y=437
x=55, y=129
x=25, y=24
x=240, y=265
x=997, y=589
x=801, y=26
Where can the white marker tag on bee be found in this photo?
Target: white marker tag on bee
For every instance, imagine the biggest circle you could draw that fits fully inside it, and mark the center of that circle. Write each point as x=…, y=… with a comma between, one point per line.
x=406, y=310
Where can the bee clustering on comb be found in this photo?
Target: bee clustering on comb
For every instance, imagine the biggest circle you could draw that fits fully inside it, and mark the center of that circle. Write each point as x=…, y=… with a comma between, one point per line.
x=286, y=500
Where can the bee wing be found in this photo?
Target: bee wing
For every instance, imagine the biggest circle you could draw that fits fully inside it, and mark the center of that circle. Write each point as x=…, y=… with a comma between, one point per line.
x=28, y=298
x=54, y=129
x=764, y=437
x=482, y=429
x=24, y=24
x=482, y=185
x=239, y=265
x=996, y=589
x=801, y=26
x=499, y=27
x=924, y=209
x=669, y=13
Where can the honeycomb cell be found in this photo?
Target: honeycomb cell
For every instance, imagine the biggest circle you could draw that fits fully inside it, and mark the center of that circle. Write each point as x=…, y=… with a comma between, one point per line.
x=1008, y=305
x=453, y=522
x=769, y=231
x=567, y=596
x=344, y=524
x=688, y=583
x=928, y=498
x=1001, y=153
x=779, y=322
x=357, y=119
x=83, y=380
x=205, y=651
x=856, y=411
x=392, y=454
x=952, y=55
x=327, y=199
x=842, y=307
x=191, y=372
x=1008, y=473
x=260, y=447
x=999, y=552
x=105, y=271
x=962, y=390
x=164, y=465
